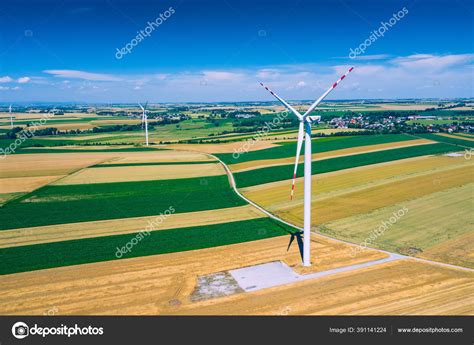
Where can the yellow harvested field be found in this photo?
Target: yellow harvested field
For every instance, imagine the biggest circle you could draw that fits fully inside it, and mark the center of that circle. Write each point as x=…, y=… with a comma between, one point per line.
x=366, y=200
x=65, y=232
x=162, y=284
x=456, y=137
x=225, y=147
x=148, y=284
x=49, y=164
x=459, y=251
x=24, y=184
x=330, y=154
x=432, y=226
x=275, y=195
x=160, y=156
x=141, y=173
x=396, y=288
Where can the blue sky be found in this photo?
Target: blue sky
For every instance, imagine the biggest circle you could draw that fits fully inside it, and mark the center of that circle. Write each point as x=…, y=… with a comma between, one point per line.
x=219, y=50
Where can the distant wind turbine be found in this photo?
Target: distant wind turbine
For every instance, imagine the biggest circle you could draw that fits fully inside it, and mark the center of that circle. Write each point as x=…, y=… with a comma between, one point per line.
x=11, y=117
x=145, y=120
x=305, y=129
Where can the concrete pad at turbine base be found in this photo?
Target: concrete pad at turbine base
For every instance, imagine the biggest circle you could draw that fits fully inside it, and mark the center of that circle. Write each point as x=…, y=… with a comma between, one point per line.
x=277, y=273
x=264, y=276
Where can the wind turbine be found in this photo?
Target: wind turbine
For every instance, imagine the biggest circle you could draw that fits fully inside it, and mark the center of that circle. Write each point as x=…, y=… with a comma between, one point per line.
x=305, y=129
x=145, y=120
x=11, y=117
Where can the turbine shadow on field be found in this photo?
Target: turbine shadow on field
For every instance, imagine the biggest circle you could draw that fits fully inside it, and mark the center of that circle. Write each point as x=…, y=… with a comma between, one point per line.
x=299, y=240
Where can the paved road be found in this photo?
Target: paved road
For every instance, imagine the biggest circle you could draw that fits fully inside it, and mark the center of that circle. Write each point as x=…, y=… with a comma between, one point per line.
x=399, y=256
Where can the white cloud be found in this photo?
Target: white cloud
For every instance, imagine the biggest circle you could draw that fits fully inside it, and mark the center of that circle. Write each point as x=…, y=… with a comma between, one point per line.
x=67, y=73
x=222, y=75
x=430, y=61
x=23, y=80
x=5, y=79
x=412, y=76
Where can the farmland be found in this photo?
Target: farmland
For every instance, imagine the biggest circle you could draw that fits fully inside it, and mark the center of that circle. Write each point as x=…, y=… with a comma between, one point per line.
x=271, y=174
x=318, y=146
x=430, y=220
x=83, y=202
x=99, y=201
x=74, y=252
x=165, y=282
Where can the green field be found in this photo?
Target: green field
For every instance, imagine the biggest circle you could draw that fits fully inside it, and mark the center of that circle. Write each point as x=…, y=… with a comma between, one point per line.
x=99, y=201
x=319, y=145
x=284, y=172
x=36, y=142
x=57, y=254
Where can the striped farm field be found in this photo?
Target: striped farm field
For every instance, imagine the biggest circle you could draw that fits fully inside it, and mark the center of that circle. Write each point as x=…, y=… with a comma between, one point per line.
x=372, y=198
x=283, y=172
x=319, y=145
x=329, y=154
x=159, y=278
x=73, y=231
x=116, y=173
x=75, y=252
x=398, y=288
x=100, y=201
x=464, y=135
x=275, y=195
x=453, y=140
x=148, y=164
x=29, y=150
x=426, y=223
x=223, y=148
x=457, y=136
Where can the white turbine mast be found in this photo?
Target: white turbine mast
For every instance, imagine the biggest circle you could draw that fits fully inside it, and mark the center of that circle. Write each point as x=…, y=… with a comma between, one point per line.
x=145, y=120
x=11, y=117
x=305, y=130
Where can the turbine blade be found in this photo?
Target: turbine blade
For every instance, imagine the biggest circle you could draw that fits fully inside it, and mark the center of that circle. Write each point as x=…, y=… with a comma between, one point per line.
x=10, y=108
x=282, y=101
x=141, y=107
x=298, y=153
x=292, y=238
x=319, y=100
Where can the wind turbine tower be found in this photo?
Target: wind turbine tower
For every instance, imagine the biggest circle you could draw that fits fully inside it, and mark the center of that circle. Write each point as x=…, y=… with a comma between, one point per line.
x=305, y=131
